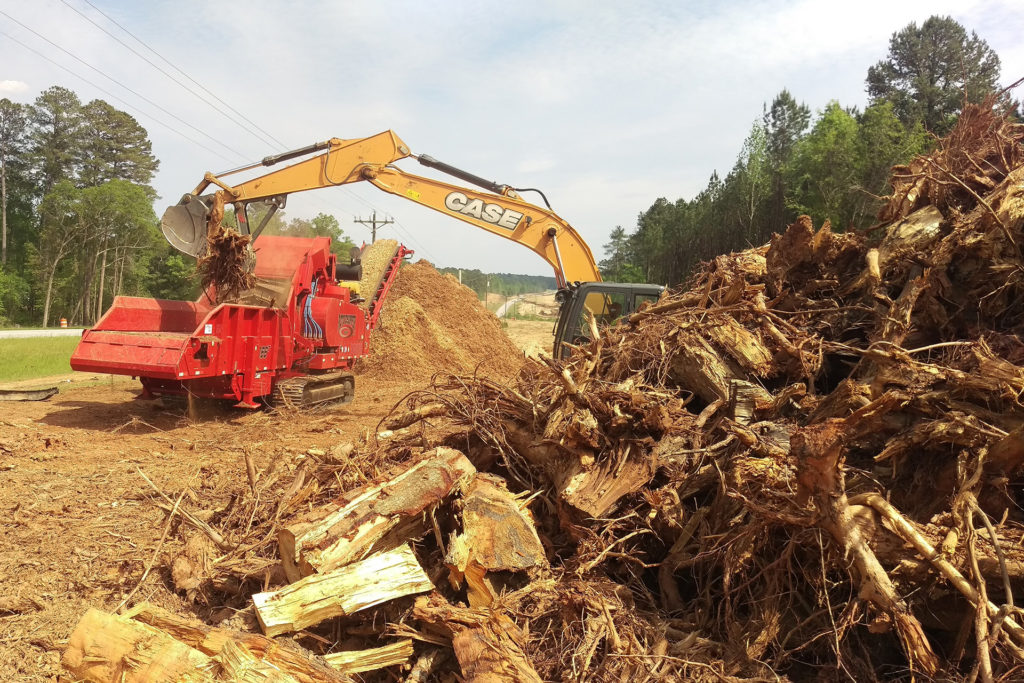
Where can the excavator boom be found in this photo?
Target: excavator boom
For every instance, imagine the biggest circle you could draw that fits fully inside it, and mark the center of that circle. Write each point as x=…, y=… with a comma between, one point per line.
x=499, y=210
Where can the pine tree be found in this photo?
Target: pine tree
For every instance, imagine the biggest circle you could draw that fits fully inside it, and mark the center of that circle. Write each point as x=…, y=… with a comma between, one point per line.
x=931, y=69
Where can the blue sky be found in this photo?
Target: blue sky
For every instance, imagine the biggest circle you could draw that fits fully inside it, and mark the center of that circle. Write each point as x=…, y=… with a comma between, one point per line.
x=606, y=106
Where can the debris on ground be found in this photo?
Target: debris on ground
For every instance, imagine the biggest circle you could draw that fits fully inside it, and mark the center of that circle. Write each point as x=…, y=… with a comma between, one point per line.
x=805, y=465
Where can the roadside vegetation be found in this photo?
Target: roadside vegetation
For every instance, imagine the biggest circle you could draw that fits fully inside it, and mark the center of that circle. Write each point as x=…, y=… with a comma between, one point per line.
x=36, y=357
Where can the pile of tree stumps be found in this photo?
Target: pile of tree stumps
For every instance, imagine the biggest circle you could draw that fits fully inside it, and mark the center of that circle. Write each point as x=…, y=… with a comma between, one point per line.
x=805, y=465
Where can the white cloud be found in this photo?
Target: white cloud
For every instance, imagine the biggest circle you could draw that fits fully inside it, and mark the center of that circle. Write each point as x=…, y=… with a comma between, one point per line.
x=13, y=87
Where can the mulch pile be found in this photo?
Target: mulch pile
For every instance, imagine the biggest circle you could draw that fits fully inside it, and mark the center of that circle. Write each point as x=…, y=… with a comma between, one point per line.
x=430, y=323
x=806, y=465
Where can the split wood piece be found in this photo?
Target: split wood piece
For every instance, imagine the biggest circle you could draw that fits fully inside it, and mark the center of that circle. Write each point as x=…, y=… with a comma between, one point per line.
x=744, y=346
x=358, y=661
x=591, y=487
x=347, y=590
x=696, y=366
x=297, y=662
x=351, y=528
x=105, y=648
x=487, y=643
x=498, y=534
x=241, y=666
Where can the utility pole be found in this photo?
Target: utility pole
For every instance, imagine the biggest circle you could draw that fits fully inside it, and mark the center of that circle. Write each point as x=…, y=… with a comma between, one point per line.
x=373, y=223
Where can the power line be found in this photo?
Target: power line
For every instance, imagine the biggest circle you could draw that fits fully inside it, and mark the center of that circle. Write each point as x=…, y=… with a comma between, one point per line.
x=114, y=80
x=373, y=223
x=176, y=81
x=405, y=231
x=115, y=97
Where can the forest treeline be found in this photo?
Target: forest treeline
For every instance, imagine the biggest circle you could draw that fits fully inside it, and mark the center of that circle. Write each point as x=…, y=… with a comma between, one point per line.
x=831, y=166
x=77, y=225
x=510, y=284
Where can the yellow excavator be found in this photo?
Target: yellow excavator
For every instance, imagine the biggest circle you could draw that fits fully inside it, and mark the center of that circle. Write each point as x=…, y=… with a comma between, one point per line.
x=499, y=210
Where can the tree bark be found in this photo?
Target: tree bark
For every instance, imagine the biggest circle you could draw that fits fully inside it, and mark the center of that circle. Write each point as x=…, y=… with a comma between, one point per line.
x=3, y=207
x=49, y=293
x=103, y=277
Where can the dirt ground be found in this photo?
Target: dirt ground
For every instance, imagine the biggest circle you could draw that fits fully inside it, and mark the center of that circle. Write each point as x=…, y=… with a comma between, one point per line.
x=78, y=523
x=532, y=336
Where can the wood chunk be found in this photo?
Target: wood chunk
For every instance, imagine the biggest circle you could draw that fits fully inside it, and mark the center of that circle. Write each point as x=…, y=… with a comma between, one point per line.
x=492, y=653
x=105, y=648
x=357, y=661
x=487, y=643
x=300, y=664
x=696, y=366
x=349, y=589
x=497, y=531
x=743, y=345
x=243, y=667
x=498, y=534
x=349, y=530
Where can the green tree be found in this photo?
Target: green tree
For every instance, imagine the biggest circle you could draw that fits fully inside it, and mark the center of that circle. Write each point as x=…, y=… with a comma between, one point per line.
x=12, y=144
x=171, y=276
x=114, y=146
x=747, y=187
x=824, y=171
x=326, y=225
x=119, y=224
x=931, y=69
x=785, y=122
x=61, y=227
x=883, y=142
x=617, y=265
x=56, y=120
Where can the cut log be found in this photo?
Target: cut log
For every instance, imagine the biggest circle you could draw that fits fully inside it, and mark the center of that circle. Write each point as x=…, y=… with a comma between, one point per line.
x=357, y=661
x=105, y=648
x=300, y=664
x=344, y=591
x=352, y=528
x=498, y=534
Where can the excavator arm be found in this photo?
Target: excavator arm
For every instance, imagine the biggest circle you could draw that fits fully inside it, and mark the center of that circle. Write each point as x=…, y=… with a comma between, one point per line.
x=499, y=210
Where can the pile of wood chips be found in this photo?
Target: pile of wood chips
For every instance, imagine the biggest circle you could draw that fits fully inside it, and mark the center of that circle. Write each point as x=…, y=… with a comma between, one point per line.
x=807, y=465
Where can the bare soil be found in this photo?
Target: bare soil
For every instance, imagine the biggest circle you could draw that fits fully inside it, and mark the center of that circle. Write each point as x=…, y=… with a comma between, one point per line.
x=531, y=336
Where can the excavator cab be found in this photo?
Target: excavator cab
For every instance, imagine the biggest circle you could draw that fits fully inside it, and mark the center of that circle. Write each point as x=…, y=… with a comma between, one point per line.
x=608, y=302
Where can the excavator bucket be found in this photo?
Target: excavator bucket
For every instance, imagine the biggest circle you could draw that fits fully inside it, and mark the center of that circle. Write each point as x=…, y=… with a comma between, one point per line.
x=184, y=226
